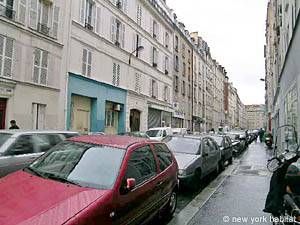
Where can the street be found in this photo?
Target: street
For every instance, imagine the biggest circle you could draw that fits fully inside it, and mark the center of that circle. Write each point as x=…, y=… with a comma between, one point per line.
x=235, y=196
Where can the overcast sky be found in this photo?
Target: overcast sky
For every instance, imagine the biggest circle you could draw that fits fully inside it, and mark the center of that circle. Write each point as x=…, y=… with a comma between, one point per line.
x=235, y=32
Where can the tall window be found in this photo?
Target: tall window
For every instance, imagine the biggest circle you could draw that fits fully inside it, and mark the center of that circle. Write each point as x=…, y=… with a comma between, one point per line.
x=6, y=56
x=166, y=64
x=42, y=16
x=90, y=15
x=38, y=116
x=176, y=43
x=116, y=74
x=153, y=88
x=121, y=4
x=183, y=88
x=154, y=57
x=139, y=14
x=176, y=63
x=166, y=94
x=117, y=32
x=6, y=8
x=167, y=40
x=40, y=67
x=86, y=62
x=176, y=84
x=137, y=41
x=155, y=29
x=183, y=69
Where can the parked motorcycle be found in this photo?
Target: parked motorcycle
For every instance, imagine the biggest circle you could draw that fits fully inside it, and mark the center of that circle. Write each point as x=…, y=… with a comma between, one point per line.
x=283, y=199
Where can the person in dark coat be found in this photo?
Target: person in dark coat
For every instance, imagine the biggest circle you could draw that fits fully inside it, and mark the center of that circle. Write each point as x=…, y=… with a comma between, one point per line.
x=13, y=125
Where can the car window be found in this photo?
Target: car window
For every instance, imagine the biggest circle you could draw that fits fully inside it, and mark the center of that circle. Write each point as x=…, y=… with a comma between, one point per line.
x=165, y=133
x=45, y=141
x=183, y=144
x=206, y=146
x=22, y=145
x=142, y=165
x=213, y=145
x=164, y=156
x=4, y=137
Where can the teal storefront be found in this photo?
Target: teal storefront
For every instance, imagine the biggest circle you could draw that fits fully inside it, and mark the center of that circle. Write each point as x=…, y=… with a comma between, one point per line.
x=94, y=106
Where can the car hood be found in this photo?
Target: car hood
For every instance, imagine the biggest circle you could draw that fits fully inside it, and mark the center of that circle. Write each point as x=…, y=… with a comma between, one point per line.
x=184, y=160
x=27, y=199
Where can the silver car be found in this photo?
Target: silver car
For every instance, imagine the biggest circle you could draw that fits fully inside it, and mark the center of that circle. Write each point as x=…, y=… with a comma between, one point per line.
x=20, y=148
x=196, y=156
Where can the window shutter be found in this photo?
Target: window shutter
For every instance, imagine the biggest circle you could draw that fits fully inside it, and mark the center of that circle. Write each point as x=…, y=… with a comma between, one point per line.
x=89, y=64
x=118, y=75
x=113, y=29
x=156, y=89
x=7, y=67
x=124, y=5
x=55, y=22
x=123, y=35
x=22, y=11
x=98, y=20
x=44, y=67
x=134, y=41
x=150, y=88
x=36, y=66
x=114, y=73
x=82, y=11
x=94, y=16
x=84, y=62
x=33, y=14
x=151, y=27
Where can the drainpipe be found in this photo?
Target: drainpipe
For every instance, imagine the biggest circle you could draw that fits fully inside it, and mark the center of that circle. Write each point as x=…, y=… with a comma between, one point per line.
x=192, y=88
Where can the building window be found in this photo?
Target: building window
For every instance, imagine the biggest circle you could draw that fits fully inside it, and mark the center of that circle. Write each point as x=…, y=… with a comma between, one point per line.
x=86, y=63
x=6, y=9
x=183, y=88
x=166, y=65
x=176, y=63
x=137, y=41
x=167, y=40
x=43, y=17
x=176, y=43
x=153, y=88
x=183, y=69
x=189, y=73
x=137, y=86
x=40, y=67
x=38, y=116
x=155, y=29
x=183, y=50
x=109, y=118
x=189, y=91
x=6, y=56
x=121, y=4
x=116, y=74
x=176, y=83
x=139, y=14
x=154, y=57
x=117, y=32
x=166, y=94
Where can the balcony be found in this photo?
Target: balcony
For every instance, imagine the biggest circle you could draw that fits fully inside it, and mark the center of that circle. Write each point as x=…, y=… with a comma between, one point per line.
x=7, y=12
x=43, y=28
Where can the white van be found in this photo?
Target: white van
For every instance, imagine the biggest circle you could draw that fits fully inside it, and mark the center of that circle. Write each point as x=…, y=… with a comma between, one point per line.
x=158, y=133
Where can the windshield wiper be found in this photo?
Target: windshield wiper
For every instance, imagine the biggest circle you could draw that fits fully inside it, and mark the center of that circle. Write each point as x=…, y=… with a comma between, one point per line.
x=61, y=179
x=40, y=174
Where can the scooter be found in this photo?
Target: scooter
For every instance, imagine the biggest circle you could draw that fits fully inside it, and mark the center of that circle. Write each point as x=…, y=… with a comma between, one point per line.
x=283, y=199
x=269, y=142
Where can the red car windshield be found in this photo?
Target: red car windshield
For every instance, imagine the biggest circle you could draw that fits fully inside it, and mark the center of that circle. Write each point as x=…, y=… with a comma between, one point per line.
x=82, y=164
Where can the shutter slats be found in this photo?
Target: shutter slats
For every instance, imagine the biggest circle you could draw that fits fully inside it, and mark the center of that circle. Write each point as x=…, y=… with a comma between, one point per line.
x=33, y=14
x=55, y=21
x=98, y=22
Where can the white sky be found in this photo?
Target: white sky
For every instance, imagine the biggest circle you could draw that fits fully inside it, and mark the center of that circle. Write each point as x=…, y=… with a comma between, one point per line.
x=235, y=32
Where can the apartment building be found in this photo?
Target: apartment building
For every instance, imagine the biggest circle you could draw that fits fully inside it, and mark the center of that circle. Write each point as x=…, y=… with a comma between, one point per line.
x=255, y=116
x=31, y=50
x=119, y=72
x=183, y=76
x=282, y=69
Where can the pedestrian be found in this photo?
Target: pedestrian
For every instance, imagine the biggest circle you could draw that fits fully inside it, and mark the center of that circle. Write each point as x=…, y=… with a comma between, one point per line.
x=13, y=125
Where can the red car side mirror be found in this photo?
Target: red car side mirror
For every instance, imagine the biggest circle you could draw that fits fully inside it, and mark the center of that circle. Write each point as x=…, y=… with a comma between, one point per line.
x=130, y=184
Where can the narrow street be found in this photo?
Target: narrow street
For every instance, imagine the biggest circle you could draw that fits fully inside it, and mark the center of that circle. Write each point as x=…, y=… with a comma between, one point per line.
x=237, y=196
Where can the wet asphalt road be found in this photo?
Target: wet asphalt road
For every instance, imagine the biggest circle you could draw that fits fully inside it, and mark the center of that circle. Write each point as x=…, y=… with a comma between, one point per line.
x=240, y=199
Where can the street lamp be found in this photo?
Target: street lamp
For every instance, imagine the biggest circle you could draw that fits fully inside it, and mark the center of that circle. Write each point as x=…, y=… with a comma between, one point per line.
x=139, y=48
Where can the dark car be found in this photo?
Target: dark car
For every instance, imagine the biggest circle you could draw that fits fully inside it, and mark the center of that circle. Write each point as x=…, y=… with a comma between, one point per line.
x=226, y=148
x=196, y=157
x=238, y=142
x=93, y=180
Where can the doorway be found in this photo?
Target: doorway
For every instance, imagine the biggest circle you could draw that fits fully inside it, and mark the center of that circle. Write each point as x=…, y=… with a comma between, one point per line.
x=2, y=112
x=135, y=120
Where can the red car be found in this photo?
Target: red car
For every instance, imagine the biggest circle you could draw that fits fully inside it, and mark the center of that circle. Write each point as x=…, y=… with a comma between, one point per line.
x=93, y=180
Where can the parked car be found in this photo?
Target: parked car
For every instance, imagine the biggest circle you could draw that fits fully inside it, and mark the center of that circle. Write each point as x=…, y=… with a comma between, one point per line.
x=20, y=148
x=225, y=144
x=136, y=134
x=179, y=131
x=159, y=133
x=196, y=157
x=90, y=180
x=238, y=142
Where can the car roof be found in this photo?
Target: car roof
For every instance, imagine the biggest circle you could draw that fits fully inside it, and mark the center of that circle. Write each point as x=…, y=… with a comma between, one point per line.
x=159, y=128
x=116, y=141
x=17, y=131
x=187, y=136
